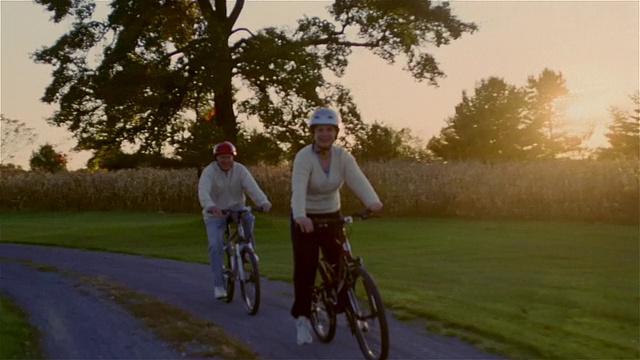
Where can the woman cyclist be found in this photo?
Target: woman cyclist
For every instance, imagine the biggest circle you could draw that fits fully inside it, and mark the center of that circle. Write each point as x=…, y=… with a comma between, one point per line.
x=319, y=171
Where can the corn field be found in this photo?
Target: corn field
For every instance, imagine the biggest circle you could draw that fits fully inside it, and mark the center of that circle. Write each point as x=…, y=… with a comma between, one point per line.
x=604, y=191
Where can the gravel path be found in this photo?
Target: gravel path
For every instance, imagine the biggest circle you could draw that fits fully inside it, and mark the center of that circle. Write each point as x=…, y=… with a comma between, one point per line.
x=80, y=324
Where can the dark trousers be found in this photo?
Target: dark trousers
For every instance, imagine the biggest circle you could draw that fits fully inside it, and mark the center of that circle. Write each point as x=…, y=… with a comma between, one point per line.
x=306, y=250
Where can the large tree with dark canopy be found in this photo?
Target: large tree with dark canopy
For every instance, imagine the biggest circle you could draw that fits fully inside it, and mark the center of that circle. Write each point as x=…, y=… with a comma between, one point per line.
x=151, y=71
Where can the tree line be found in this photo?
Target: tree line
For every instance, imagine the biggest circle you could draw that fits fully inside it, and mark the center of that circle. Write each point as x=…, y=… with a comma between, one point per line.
x=468, y=135
x=158, y=82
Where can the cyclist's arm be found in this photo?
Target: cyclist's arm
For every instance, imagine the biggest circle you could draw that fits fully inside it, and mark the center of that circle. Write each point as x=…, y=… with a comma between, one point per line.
x=254, y=191
x=205, y=186
x=358, y=182
x=299, y=182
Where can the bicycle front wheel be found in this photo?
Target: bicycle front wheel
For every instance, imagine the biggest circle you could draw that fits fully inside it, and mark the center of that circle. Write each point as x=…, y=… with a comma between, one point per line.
x=367, y=316
x=250, y=283
x=323, y=315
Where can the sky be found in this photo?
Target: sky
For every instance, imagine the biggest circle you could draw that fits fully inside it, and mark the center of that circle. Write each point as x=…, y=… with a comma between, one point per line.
x=594, y=44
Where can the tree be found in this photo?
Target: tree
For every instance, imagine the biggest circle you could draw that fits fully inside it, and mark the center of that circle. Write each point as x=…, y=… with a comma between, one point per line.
x=623, y=132
x=488, y=126
x=163, y=61
x=257, y=148
x=546, y=123
x=381, y=142
x=15, y=136
x=47, y=159
x=504, y=122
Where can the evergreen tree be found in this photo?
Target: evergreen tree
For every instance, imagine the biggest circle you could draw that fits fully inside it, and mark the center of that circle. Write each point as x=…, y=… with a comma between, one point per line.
x=546, y=127
x=488, y=126
x=624, y=132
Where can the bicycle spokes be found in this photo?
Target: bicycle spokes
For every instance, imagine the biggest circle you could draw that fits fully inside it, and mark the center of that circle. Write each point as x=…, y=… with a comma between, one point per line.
x=323, y=316
x=249, y=281
x=367, y=317
x=241, y=262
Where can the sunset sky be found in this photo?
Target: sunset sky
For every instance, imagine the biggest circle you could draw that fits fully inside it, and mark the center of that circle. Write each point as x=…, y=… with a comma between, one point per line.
x=594, y=44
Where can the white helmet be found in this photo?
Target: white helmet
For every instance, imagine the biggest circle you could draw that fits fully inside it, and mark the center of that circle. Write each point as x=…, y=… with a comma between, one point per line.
x=324, y=116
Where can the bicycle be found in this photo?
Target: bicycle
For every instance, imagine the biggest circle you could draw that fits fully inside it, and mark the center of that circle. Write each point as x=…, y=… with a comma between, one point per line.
x=240, y=262
x=364, y=309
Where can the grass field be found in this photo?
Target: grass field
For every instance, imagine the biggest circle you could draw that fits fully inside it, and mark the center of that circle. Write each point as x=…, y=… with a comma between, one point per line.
x=522, y=289
x=18, y=339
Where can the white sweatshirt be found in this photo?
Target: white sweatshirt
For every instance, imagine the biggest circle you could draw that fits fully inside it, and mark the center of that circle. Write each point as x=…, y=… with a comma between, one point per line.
x=226, y=189
x=315, y=192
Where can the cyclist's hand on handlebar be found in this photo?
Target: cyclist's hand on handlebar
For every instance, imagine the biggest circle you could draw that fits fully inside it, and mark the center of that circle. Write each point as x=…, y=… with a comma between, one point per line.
x=214, y=210
x=306, y=224
x=375, y=207
x=266, y=207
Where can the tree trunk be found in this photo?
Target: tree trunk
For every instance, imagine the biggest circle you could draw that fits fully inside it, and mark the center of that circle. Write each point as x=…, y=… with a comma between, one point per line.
x=225, y=116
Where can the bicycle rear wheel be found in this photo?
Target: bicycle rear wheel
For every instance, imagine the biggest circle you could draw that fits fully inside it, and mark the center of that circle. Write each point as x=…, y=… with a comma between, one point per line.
x=366, y=316
x=228, y=272
x=323, y=315
x=250, y=284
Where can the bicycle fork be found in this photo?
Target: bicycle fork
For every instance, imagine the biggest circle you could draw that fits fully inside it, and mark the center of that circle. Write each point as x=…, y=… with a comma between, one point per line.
x=236, y=254
x=239, y=261
x=353, y=312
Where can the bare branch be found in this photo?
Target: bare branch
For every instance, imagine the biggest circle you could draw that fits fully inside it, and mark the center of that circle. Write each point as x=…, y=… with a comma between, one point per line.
x=237, y=9
x=15, y=136
x=242, y=29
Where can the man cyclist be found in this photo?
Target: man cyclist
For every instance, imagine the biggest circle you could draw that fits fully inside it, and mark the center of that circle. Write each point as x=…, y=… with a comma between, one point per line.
x=222, y=186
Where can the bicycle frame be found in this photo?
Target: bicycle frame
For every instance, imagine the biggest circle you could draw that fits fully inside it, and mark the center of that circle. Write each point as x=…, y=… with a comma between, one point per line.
x=237, y=243
x=346, y=262
x=335, y=283
x=242, y=263
x=348, y=276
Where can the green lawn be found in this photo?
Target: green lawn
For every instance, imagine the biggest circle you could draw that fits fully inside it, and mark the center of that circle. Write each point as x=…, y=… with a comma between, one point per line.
x=18, y=339
x=523, y=289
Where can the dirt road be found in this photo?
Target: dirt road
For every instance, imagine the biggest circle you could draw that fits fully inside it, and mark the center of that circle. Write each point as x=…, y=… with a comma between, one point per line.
x=78, y=324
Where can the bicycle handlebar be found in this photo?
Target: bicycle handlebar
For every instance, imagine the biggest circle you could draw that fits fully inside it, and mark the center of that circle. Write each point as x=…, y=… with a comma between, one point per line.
x=246, y=209
x=363, y=214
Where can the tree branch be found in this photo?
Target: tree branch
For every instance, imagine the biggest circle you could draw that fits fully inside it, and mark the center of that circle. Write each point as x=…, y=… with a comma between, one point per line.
x=325, y=41
x=206, y=8
x=243, y=29
x=237, y=9
x=186, y=47
x=221, y=9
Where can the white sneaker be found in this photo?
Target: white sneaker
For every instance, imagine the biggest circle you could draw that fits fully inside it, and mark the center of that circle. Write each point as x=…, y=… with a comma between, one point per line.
x=220, y=292
x=303, y=327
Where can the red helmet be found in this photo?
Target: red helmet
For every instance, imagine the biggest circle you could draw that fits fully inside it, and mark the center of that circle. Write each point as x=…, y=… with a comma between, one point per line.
x=224, y=147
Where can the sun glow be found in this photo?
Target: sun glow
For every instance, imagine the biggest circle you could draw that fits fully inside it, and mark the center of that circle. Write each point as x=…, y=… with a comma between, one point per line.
x=586, y=114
